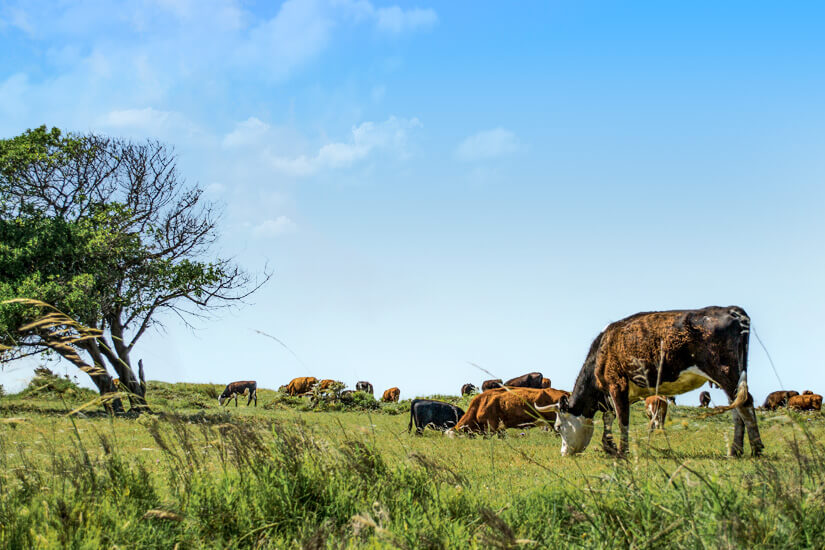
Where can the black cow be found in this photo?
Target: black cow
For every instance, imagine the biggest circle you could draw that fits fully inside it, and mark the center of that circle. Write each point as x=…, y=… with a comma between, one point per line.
x=678, y=351
x=529, y=380
x=704, y=399
x=491, y=384
x=434, y=414
x=467, y=389
x=234, y=389
x=365, y=387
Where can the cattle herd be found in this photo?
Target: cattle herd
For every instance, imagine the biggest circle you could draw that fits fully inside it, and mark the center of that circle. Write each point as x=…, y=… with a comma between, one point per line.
x=648, y=356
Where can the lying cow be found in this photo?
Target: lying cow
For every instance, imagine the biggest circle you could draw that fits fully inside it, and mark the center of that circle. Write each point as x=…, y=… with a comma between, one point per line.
x=704, y=399
x=304, y=384
x=778, y=399
x=234, y=389
x=365, y=387
x=529, y=380
x=508, y=408
x=467, y=389
x=491, y=384
x=623, y=366
x=656, y=410
x=391, y=395
x=805, y=402
x=426, y=413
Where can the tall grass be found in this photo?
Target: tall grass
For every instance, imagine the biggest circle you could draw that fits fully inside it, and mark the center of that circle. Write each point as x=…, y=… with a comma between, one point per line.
x=222, y=481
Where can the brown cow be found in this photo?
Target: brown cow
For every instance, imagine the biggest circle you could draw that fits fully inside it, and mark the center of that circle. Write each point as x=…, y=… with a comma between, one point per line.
x=391, y=395
x=491, y=384
x=778, y=399
x=807, y=392
x=656, y=409
x=234, y=389
x=805, y=402
x=545, y=383
x=507, y=407
x=304, y=384
x=664, y=352
x=529, y=380
x=704, y=399
x=467, y=389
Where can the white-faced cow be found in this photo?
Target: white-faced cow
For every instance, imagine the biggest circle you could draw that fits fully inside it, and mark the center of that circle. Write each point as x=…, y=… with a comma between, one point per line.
x=670, y=351
x=234, y=389
x=656, y=410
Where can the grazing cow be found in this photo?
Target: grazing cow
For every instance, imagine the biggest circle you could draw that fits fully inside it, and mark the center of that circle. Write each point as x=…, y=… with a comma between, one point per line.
x=234, y=389
x=467, y=389
x=656, y=409
x=671, y=399
x=391, y=395
x=491, y=384
x=805, y=402
x=365, y=387
x=778, y=399
x=672, y=351
x=529, y=380
x=301, y=385
x=508, y=408
x=704, y=399
x=434, y=414
x=545, y=383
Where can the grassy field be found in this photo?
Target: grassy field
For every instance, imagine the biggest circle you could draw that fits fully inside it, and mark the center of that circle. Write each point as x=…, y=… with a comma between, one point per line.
x=282, y=475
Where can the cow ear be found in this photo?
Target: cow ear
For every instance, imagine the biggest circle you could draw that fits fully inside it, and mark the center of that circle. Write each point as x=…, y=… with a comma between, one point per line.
x=563, y=405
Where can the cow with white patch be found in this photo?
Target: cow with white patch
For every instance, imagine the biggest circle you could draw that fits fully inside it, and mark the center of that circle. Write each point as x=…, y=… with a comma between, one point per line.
x=234, y=389
x=656, y=410
x=664, y=353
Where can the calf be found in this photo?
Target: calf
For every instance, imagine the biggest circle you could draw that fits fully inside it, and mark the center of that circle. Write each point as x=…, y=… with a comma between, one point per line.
x=433, y=414
x=529, y=380
x=365, y=387
x=391, y=395
x=666, y=353
x=778, y=399
x=234, y=389
x=300, y=385
x=805, y=402
x=704, y=399
x=491, y=384
x=508, y=408
x=467, y=389
x=656, y=409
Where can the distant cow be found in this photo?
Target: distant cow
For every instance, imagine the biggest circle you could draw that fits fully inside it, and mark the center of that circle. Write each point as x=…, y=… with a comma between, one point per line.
x=508, y=408
x=467, y=389
x=234, y=389
x=805, y=402
x=676, y=351
x=391, y=395
x=704, y=399
x=304, y=384
x=545, y=383
x=365, y=387
x=529, y=380
x=491, y=384
x=778, y=399
x=807, y=392
x=347, y=394
x=656, y=410
x=433, y=414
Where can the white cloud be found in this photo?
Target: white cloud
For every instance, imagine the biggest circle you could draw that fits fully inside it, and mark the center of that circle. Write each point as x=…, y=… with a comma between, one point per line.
x=488, y=144
x=248, y=132
x=367, y=138
x=396, y=20
x=273, y=228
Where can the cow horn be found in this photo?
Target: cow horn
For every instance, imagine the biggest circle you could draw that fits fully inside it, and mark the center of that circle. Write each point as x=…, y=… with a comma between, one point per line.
x=551, y=407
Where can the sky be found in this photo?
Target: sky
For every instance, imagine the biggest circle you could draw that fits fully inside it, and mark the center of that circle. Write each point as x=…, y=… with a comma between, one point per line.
x=441, y=185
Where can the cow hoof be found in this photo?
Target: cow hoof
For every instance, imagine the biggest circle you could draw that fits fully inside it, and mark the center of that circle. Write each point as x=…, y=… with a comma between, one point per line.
x=735, y=453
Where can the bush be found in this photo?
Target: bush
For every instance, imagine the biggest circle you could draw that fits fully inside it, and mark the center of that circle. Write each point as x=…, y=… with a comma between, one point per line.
x=47, y=384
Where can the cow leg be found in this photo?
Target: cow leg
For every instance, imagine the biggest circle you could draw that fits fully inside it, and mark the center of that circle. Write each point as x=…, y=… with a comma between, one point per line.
x=738, y=444
x=621, y=402
x=748, y=416
x=236, y=400
x=608, y=444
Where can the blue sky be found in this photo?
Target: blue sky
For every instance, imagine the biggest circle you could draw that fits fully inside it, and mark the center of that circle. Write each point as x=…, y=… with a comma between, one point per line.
x=438, y=184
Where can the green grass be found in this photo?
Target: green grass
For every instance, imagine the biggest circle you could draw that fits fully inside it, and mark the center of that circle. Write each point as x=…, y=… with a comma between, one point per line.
x=290, y=475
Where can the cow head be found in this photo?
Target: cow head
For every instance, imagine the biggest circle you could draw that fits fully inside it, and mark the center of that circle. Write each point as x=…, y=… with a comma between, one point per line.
x=221, y=399
x=575, y=431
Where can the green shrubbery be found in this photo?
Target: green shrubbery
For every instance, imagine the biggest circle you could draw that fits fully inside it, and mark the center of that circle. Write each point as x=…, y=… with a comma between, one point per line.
x=46, y=384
